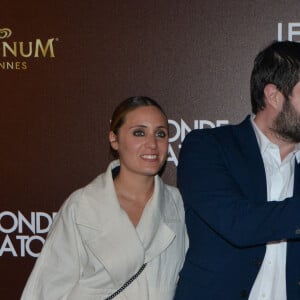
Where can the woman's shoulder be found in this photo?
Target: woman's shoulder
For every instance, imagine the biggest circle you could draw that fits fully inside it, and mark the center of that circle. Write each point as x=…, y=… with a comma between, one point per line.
x=85, y=198
x=101, y=184
x=172, y=191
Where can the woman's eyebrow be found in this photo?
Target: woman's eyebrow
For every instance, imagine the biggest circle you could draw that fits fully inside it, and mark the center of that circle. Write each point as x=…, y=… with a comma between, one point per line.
x=145, y=126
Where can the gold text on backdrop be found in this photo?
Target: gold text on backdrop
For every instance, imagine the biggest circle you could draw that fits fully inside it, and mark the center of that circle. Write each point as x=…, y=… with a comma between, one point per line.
x=21, y=50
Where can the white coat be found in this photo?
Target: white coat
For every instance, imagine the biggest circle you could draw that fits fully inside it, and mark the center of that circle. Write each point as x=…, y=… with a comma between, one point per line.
x=93, y=248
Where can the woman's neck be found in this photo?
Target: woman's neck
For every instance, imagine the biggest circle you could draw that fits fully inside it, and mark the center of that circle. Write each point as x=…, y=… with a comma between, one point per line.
x=133, y=194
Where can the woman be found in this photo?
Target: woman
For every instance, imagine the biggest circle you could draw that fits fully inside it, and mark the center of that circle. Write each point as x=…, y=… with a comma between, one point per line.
x=122, y=236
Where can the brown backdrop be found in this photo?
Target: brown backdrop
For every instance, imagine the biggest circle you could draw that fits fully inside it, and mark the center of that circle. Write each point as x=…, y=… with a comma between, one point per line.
x=194, y=57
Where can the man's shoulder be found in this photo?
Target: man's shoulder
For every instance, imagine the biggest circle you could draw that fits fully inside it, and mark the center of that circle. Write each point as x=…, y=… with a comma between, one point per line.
x=197, y=134
x=222, y=131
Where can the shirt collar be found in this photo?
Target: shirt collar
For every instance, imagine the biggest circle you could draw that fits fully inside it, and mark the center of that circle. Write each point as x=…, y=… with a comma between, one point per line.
x=264, y=143
x=297, y=152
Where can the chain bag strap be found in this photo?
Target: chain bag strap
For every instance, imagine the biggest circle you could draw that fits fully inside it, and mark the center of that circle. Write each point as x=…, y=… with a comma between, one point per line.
x=126, y=284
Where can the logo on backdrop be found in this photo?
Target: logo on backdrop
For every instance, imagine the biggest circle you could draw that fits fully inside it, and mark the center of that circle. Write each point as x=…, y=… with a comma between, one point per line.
x=15, y=55
x=288, y=31
x=23, y=235
x=179, y=129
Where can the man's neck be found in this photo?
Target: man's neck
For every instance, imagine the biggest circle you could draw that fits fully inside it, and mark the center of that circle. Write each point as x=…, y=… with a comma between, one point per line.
x=285, y=147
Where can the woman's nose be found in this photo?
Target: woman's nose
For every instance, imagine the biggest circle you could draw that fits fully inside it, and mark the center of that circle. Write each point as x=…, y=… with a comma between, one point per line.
x=151, y=141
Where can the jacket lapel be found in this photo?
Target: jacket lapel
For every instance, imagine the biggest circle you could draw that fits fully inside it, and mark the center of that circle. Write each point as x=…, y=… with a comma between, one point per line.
x=297, y=180
x=114, y=240
x=248, y=161
x=152, y=229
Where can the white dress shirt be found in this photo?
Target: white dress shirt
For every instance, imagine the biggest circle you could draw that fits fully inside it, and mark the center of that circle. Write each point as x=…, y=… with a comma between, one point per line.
x=270, y=283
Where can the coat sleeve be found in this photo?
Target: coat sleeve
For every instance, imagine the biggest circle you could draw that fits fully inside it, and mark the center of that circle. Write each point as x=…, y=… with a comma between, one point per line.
x=209, y=189
x=57, y=269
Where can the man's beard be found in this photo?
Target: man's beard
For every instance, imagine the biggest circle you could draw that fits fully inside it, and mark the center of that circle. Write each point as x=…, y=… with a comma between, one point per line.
x=287, y=123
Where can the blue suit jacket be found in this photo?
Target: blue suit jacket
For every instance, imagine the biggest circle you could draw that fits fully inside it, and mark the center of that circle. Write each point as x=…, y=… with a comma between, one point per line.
x=222, y=180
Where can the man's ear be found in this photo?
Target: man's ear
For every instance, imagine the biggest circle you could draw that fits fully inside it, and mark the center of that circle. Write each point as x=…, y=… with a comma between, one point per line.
x=273, y=97
x=113, y=139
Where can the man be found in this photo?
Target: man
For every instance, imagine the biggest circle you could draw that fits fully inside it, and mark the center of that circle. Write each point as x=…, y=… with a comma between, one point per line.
x=241, y=187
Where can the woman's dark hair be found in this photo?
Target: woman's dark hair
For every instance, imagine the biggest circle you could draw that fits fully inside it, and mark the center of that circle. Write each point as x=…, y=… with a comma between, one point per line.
x=126, y=106
x=278, y=64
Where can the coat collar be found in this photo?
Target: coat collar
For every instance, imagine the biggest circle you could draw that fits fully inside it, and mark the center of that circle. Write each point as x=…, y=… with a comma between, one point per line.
x=118, y=245
x=152, y=229
x=249, y=158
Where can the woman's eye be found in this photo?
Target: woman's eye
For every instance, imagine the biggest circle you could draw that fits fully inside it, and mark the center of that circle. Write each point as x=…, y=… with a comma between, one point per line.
x=138, y=133
x=161, y=134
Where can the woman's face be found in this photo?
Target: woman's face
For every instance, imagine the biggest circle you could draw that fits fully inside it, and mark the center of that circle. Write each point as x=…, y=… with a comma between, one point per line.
x=142, y=141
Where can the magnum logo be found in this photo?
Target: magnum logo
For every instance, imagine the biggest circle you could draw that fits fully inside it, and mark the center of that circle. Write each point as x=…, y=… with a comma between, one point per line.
x=23, y=50
x=5, y=33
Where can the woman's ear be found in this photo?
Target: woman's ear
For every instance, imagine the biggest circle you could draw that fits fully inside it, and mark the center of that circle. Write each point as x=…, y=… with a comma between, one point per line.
x=113, y=139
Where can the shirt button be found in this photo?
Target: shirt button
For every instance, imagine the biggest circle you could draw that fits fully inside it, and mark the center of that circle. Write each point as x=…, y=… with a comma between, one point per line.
x=244, y=294
x=257, y=262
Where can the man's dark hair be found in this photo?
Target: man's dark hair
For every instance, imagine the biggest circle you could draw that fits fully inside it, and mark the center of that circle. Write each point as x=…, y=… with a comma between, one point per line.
x=278, y=64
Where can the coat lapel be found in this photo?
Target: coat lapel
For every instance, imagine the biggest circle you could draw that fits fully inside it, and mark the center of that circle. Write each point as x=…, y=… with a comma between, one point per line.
x=297, y=180
x=117, y=244
x=113, y=239
x=248, y=163
x=152, y=229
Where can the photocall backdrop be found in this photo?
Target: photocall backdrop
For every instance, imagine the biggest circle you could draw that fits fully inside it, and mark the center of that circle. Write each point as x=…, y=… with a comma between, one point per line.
x=65, y=65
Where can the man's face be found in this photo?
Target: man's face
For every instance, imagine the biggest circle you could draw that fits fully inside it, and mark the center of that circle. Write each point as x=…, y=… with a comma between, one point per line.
x=287, y=122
